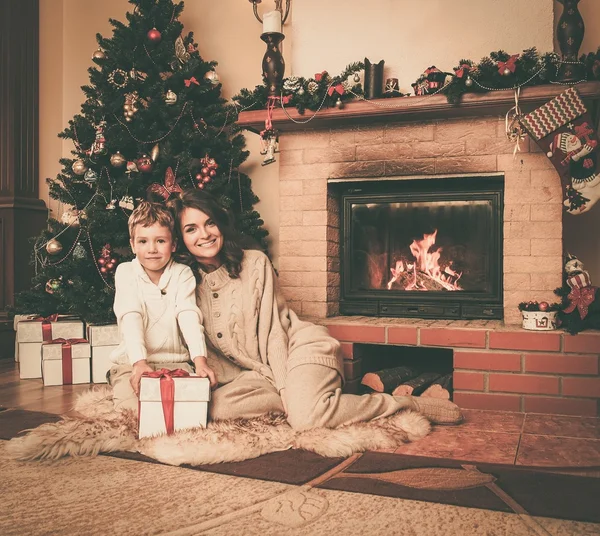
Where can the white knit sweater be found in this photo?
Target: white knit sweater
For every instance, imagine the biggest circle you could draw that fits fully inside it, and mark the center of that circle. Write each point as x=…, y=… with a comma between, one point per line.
x=249, y=322
x=152, y=318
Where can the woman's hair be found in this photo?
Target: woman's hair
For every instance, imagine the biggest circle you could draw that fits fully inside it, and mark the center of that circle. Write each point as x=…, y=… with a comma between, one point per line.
x=147, y=214
x=231, y=253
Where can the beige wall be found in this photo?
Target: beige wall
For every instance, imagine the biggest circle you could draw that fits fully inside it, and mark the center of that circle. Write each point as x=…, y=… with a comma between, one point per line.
x=410, y=36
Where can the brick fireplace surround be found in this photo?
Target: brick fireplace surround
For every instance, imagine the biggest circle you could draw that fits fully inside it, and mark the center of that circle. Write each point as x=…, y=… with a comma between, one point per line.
x=497, y=364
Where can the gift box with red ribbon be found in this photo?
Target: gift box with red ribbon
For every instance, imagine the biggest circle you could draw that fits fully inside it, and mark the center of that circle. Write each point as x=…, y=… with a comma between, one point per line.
x=172, y=400
x=66, y=361
x=104, y=340
x=32, y=331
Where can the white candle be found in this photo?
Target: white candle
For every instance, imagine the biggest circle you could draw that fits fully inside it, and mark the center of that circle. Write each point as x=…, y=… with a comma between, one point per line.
x=272, y=22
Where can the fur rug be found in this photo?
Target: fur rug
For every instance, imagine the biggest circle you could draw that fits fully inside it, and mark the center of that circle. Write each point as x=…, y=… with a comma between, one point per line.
x=100, y=429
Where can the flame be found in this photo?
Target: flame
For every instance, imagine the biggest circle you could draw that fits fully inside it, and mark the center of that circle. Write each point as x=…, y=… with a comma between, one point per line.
x=427, y=264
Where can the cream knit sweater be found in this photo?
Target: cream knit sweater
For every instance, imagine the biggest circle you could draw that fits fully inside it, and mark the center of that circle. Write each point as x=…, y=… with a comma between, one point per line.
x=249, y=322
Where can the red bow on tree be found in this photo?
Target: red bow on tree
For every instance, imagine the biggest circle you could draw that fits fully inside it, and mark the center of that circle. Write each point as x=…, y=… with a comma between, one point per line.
x=169, y=187
x=581, y=298
x=510, y=64
x=191, y=81
x=320, y=76
x=339, y=88
x=462, y=70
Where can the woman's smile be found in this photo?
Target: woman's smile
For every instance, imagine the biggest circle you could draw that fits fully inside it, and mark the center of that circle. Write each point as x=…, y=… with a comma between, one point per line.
x=201, y=237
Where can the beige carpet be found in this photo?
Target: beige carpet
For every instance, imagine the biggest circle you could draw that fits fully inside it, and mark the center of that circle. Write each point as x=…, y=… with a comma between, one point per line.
x=106, y=495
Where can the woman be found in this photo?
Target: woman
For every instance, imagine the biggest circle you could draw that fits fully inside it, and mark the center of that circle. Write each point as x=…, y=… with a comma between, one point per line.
x=266, y=359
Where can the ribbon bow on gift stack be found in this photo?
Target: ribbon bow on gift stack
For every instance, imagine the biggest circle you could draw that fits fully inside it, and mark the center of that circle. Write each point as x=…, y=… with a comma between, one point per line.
x=167, y=393
x=67, y=356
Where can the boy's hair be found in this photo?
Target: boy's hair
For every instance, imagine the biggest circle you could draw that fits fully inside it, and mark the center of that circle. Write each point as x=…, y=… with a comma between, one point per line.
x=147, y=214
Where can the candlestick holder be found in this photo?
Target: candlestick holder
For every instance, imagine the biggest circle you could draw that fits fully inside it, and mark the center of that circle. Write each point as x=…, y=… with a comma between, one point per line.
x=273, y=64
x=569, y=34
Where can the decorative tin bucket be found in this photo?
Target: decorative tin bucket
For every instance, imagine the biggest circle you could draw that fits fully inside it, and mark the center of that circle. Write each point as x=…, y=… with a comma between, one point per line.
x=539, y=320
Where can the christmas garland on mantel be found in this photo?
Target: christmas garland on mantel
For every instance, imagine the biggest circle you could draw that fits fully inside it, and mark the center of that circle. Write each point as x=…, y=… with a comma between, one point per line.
x=495, y=72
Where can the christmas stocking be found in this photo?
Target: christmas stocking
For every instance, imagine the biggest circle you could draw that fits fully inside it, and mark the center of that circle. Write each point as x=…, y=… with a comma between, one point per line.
x=563, y=130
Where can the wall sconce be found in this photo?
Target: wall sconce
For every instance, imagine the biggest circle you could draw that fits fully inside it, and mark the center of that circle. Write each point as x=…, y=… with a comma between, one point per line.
x=273, y=65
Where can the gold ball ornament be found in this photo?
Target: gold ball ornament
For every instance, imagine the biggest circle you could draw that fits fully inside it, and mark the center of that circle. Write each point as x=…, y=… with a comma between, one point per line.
x=117, y=160
x=99, y=55
x=339, y=104
x=53, y=247
x=506, y=72
x=79, y=167
x=469, y=82
x=170, y=97
x=212, y=77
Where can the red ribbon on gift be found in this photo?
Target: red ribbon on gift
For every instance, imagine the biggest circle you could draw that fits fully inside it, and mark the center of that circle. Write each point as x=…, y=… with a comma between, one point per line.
x=46, y=325
x=339, y=88
x=510, y=64
x=167, y=393
x=581, y=298
x=67, y=356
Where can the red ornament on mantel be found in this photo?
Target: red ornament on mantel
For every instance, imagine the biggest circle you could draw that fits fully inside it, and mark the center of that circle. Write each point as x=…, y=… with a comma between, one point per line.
x=154, y=36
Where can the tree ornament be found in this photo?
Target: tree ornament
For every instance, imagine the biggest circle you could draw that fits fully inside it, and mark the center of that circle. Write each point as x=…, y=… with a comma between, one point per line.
x=169, y=187
x=79, y=252
x=154, y=36
x=99, y=144
x=91, y=177
x=118, y=78
x=339, y=104
x=130, y=108
x=468, y=81
x=208, y=170
x=99, y=54
x=106, y=261
x=212, y=77
x=132, y=168
x=312, y=87
x=170, y=97
x=134, y=74
x=117, y=160
x=181, y=53
x=53, y=285
x=53, y=247
x=70, y=217
x=79, y=167
x=126, y=202
x=112, y=205
x=506, y=71
x=155, y=152
x=356, y=78
x=145, y=164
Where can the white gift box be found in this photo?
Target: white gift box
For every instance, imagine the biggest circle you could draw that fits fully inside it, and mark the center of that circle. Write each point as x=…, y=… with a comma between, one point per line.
x=52, y=363
x=29, y=343
x=103, y=339
x=190, y=407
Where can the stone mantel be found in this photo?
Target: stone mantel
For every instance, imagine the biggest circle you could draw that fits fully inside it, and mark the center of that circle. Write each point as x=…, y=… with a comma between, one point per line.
x=414, y=108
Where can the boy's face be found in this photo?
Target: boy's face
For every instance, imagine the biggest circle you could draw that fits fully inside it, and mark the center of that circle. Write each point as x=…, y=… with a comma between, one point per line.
x=153, y=247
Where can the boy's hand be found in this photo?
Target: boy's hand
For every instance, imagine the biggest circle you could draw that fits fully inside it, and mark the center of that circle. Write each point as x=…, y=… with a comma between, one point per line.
x=139, y=367
x=204, y=371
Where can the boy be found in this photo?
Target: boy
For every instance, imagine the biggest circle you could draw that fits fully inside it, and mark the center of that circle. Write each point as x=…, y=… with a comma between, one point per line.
x=155, y=305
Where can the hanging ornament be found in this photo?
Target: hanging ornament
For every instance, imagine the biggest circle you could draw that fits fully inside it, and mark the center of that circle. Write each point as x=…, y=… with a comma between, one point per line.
x=155, y=152
x=506, y=71
x=70, y=217
x=169, y=187
x=145, y=164
x=118, y=78
x=53, y=285
x=182, y=54
x=468, y=81
x=356, y=78
x=99, y=54
x=126, y=202
x=154, y=36
x=99, y=144
x=53, y=247
x=130, y=108
x=269, y=143
x=79, y=167
x=339, y=104
x=505, y=68
x=212, y=77
x=170, y=97
x=117, y=160
x=79, y=252
x=208, y=171
x=91, y=177
x=106, y=261
x=134, y=74
x=112, y=205
x=132, y=168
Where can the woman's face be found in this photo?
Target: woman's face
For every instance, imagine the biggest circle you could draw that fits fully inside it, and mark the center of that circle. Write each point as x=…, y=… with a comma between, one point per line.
x=201, y=236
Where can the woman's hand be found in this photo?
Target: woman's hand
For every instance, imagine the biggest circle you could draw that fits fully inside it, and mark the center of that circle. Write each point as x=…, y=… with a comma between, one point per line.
x=139, y=367
x=204, y=371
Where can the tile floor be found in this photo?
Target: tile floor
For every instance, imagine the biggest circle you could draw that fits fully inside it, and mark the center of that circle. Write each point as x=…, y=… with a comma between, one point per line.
x=485, y=436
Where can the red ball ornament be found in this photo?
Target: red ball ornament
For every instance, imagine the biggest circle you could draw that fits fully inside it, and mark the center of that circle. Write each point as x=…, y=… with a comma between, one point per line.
x=206, y=179
x=204, y=171
x=145, y=164
x=103, y=269
x=199, y=176
x=113, y=261
x=212, y=173
x=201, y=186
x=154, y=36
x=544, y=306
x=101, y=261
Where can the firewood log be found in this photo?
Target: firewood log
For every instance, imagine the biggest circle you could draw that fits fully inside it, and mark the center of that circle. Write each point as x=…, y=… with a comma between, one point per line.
x=417, y=385
x=385, y=381
x=440, y=388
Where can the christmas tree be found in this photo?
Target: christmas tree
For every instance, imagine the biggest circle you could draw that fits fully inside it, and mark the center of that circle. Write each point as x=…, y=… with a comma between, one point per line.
x=153, y=123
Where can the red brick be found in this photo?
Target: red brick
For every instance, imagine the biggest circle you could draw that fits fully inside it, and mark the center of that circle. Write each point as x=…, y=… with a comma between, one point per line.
x=357, y=333
x=585, y=407
x=487, y=361
x=347, y=349
x=516, y=340
x=561, y=364
x=402, y=336
x=457, y=338
x=469, y=381
x=581, y=387
x=585, y=343
x=487, y=401
x=521, y=383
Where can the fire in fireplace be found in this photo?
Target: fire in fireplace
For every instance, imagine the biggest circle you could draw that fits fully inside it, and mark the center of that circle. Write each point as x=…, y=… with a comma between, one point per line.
x=428, y=248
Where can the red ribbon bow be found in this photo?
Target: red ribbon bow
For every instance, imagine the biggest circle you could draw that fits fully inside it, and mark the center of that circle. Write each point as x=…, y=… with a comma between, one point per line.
x=46, y=325
x=462, y=70
x=67, y=356
x=581, y=298
x=510, y=64
x=169, y=187
x=191, y=81
x=320, y=76
x=167, y=393
x=339, y=88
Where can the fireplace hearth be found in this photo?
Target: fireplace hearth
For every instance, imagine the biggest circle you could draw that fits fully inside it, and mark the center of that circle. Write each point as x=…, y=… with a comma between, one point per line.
x=422, y=248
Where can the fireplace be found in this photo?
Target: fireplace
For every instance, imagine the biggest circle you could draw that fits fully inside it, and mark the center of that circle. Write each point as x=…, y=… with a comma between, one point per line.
x=422, y=248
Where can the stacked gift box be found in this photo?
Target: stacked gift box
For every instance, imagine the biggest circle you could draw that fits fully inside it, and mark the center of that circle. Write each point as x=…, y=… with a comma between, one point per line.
x=103, y=339
x=66, y=361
